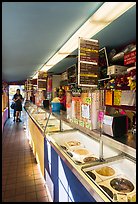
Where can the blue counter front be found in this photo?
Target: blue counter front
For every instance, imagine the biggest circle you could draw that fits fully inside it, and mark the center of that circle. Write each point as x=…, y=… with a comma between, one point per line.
x=66, y=186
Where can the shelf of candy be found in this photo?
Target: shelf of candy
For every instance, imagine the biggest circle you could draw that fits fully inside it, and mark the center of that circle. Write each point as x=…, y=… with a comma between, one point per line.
x=121, y=90
x=125, y=81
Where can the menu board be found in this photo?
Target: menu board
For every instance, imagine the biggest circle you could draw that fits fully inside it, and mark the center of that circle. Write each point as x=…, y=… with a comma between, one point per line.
x=88, y=57
x=103, y=64
x=72, y=74
x=42, y=84
x=42, y=75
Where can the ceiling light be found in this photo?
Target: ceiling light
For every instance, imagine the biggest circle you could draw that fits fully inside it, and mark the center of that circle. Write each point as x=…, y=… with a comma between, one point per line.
x=35, y=75
x=106, y=14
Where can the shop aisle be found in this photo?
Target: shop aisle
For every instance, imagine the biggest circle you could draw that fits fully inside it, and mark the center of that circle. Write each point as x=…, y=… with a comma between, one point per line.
x=21, y=178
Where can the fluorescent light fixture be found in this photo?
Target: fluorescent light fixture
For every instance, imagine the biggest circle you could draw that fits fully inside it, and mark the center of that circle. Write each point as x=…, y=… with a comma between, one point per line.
x=35, y=75
x=105, y=15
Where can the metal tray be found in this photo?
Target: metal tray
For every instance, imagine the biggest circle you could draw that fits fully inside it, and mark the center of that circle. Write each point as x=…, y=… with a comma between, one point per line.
x=123, y=168
x=86, y=142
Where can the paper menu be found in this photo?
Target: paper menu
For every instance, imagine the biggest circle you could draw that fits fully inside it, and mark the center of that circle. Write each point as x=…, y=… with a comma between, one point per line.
x=128, y=98
x=85, y=111
x=117, y=97
x=108, y=97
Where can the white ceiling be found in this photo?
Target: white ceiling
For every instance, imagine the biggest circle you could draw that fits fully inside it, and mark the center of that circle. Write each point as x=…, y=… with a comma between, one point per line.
x=33, y=31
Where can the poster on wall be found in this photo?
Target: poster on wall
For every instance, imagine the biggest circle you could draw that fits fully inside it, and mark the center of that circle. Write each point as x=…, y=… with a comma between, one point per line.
x=88, y=56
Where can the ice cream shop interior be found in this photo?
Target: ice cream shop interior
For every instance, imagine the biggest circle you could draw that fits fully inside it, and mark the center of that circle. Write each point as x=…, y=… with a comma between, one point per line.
x=68, y=101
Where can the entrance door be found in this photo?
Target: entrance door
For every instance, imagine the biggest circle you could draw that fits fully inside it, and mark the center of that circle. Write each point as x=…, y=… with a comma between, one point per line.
x=12, y=91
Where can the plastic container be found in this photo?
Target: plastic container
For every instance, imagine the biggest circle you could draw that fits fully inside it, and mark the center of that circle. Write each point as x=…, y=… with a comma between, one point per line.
x=55, y=106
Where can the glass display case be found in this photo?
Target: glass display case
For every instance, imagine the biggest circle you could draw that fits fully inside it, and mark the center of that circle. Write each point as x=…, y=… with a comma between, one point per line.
x=111, y=177
x=81, y=148
x=47, y=121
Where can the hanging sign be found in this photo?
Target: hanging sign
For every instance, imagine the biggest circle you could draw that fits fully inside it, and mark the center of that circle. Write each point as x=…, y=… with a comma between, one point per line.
x=42, y=75
x=130, y=58
x=88, y=56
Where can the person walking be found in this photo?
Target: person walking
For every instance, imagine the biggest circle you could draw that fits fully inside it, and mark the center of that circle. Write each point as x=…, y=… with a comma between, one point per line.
x=17, y=98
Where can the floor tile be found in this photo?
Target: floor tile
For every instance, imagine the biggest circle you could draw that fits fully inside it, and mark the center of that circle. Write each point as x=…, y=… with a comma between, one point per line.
x=29, y=189
x=40, y=187
x=44, y=199
x=21, y=179
x=20, y=191
x=11, y=181
x=20, y=198
x=29, y=196
x=41, y=193
x=9, y=193
x=10, y=186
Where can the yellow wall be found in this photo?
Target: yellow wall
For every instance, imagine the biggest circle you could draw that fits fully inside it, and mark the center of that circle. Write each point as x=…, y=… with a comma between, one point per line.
x=37, y=141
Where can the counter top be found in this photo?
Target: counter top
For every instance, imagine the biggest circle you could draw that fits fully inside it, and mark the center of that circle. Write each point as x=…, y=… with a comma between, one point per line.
x=126, y=143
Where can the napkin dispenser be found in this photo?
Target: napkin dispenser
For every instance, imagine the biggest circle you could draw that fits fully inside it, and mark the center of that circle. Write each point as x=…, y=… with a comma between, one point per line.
x=115, y=125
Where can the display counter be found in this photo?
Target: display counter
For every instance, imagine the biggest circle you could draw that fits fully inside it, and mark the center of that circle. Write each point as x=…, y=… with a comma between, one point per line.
x=69, y=156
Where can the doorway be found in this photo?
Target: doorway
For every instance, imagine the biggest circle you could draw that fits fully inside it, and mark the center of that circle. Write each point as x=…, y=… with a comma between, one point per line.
x=12, y=91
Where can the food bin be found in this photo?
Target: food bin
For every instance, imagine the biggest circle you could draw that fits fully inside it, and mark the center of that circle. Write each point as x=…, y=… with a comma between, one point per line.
x=115, y=178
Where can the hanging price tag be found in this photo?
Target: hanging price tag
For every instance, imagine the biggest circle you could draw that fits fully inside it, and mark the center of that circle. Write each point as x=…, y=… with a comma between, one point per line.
x=88, y=100
x=89, y=126
x=75, y=121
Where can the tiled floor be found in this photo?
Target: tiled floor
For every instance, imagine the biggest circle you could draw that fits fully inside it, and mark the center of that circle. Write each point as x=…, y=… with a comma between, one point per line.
x=21, y=178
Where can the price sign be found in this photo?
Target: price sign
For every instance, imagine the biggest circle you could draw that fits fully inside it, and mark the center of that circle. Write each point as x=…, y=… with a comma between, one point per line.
x=81, y=123
x=89, y=126
x=88, y=100
x=75, y=120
